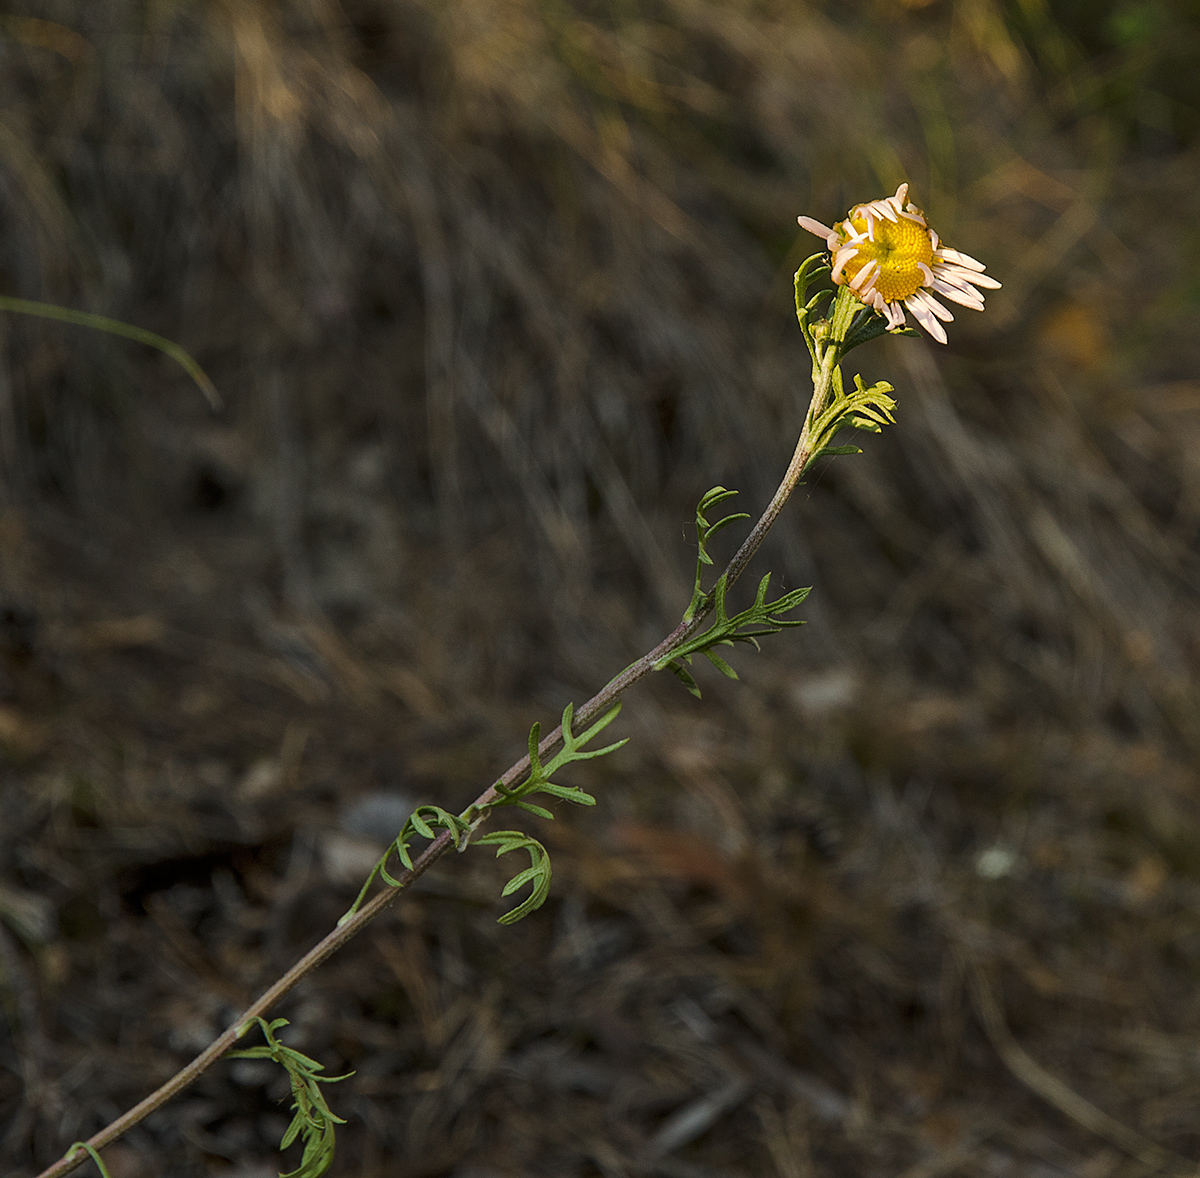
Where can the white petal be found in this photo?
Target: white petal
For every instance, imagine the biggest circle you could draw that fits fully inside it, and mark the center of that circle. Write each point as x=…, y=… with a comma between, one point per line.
x=866, y=272
x=895, y=315
x=815, y=227
x=962, y=274
x=964, y=260
x=844, y=255
x=959, y=296
x=901, y=195
x=962, y=277
x=957, y=280
x=925, y=318
x=928, y=300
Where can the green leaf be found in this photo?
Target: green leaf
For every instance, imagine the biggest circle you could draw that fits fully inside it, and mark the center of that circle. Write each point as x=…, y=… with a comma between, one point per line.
x=704, y=532
x=761, y=619
x=312, y=1119
x=685, y=677
x=867, y=325
x=91, y=1152
x=519, y=880
x=810, y=270
x=608, y=748
x=305, y=1061
x=571, y=793
x=721, y=665
x=405, y=856
x=538, y=872
x=725, y=521
x=251, y=1053
x=540, y=811
x=425, y=821
x=535, y=738
x=862, y=407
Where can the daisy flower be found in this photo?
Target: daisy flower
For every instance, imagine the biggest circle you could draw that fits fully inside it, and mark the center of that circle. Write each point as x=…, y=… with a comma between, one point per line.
x=890, y=257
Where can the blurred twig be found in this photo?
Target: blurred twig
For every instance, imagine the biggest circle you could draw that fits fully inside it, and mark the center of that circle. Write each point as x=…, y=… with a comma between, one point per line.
x=1050, y=1088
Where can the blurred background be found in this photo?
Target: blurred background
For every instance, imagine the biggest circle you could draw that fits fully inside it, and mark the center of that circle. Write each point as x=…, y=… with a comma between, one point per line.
x=493, y=291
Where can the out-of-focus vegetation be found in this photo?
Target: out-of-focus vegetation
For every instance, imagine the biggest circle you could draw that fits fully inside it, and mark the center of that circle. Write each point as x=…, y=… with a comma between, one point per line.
x=494, y=290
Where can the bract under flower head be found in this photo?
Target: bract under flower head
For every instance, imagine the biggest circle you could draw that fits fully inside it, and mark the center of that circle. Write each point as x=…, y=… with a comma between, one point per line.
x=888, y=255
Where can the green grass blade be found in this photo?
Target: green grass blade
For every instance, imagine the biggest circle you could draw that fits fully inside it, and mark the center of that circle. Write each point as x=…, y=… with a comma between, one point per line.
x=116, y=327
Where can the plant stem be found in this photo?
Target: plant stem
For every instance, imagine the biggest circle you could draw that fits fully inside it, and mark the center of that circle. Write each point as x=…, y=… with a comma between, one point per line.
x=842, y=312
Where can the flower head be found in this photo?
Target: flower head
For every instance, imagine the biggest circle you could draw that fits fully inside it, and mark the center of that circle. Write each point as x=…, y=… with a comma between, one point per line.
x=888, y=255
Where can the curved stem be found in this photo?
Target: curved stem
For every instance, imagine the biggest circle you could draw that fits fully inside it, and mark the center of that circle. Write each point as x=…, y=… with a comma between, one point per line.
x=844, y=306
x=116, y=327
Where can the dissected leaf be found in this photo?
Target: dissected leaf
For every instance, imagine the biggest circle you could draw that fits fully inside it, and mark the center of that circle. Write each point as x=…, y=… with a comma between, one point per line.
x=313, y=1121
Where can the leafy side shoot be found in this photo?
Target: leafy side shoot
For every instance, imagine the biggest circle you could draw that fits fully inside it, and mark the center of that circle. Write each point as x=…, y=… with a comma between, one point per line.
x=312, y=1122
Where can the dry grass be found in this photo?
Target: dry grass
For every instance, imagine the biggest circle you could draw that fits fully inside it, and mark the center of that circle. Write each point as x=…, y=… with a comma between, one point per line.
x=494, y=289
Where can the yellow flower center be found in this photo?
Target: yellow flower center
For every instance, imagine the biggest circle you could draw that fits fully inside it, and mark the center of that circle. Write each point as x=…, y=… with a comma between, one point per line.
x=900, y=247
